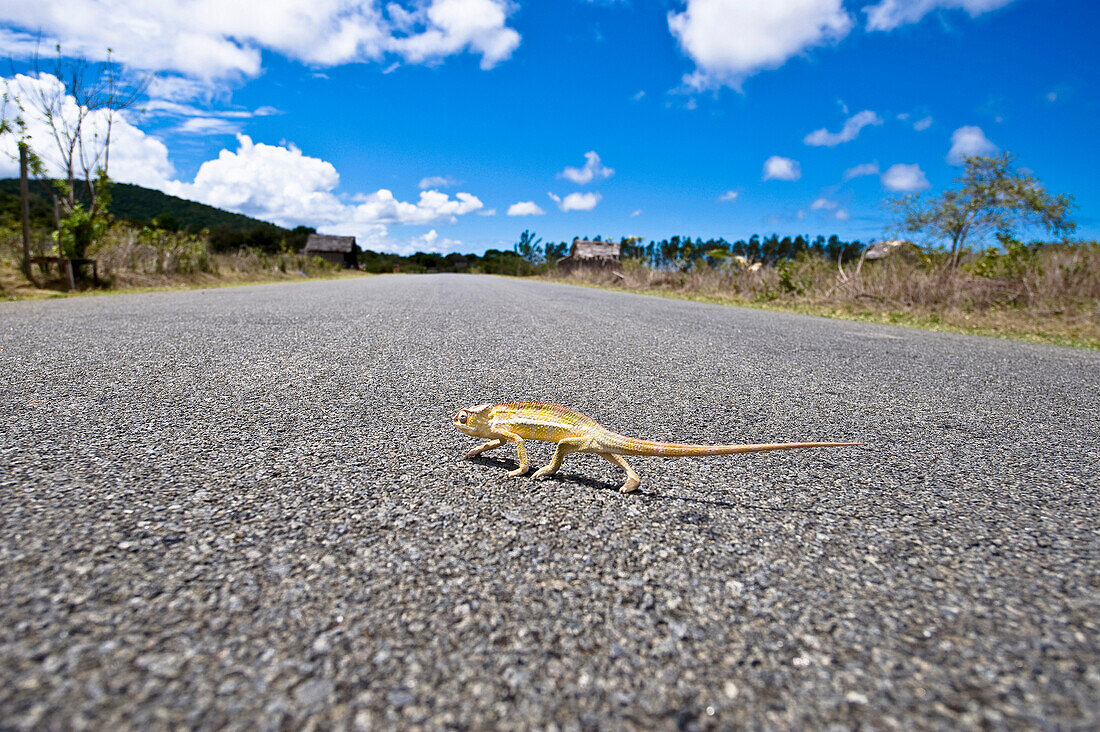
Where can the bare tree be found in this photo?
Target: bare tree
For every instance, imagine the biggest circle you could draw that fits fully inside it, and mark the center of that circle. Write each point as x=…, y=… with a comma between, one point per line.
x=12, y=122
x=80, y=113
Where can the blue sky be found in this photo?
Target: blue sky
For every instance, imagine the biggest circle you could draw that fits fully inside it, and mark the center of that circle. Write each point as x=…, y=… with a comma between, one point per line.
x=455, y=124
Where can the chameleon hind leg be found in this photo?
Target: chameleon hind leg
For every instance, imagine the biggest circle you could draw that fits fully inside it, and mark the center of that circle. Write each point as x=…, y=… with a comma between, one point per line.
x=632, y=479
x=565, y=447
x=485, y=447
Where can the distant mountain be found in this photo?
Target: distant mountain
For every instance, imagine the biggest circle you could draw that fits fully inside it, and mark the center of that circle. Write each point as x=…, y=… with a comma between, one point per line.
x=141, y=206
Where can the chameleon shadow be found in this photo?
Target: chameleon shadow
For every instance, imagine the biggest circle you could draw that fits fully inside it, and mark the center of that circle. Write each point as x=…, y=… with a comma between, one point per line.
x=509, y=464
x=642, y=494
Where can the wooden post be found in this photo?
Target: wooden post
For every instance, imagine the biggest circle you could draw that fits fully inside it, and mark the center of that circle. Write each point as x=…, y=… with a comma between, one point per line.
x=25, y=210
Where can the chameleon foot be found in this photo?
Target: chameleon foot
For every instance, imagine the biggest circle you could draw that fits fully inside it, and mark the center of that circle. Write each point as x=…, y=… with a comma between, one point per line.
x=516, y=473
x=630, y=485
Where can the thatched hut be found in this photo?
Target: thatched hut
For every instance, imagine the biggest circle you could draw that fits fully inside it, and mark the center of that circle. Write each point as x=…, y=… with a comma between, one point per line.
x=340, y=250
x=597, y=254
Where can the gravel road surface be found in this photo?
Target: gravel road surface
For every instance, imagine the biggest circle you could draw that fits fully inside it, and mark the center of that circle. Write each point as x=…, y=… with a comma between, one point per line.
x=245, y=507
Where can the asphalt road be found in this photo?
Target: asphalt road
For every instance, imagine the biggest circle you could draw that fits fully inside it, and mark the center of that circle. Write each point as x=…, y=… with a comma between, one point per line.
x=245, y=507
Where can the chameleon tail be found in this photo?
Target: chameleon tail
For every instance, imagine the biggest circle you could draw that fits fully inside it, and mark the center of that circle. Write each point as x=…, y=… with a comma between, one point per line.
x=631, y=446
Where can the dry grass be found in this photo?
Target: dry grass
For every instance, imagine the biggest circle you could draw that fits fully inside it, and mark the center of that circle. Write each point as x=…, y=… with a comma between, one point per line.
x=132, y=259
x=1044, y=294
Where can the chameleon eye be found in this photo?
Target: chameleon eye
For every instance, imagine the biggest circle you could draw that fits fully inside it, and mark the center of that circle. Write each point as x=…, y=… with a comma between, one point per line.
x=462, y=418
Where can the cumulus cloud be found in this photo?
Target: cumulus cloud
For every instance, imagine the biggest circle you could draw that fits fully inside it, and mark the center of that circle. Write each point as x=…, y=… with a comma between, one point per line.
x=922, y=124
x=730, y=40
x=270, y=182
x=823, y=204
x=212, y=39
x=851, y=129
x=967, y=141
x=592, y=169
x=382, y=207
x=437, y=181
x=729, y=196
x=905, y=178
x=452, y=26
x=525, y=208
x=780, y=168
x=863, y=169
x=889, y=14
x=427, y=242
x=135, y=156
x=276, y=183
x=577, y=201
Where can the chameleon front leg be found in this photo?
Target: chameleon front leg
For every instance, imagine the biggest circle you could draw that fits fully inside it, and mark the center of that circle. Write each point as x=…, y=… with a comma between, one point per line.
x=632, y=479
x=521, y=451
x=490, y=445
x=565, y=447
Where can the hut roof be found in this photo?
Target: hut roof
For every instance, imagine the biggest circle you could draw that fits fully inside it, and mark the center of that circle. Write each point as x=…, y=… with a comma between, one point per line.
x=883, y=249
x=329, y=243
x=584, y=249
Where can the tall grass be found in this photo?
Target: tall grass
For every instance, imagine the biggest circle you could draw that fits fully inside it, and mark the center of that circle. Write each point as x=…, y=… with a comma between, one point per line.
x=135, y=256
x=1058, y=284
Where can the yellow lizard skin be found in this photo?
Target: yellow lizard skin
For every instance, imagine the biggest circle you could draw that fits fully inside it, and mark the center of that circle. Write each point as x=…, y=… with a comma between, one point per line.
x=574, y=432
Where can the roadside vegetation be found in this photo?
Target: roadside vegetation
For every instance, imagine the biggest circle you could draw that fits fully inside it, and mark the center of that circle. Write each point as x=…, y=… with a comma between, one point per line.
x=957, y=260
x=1041, y=292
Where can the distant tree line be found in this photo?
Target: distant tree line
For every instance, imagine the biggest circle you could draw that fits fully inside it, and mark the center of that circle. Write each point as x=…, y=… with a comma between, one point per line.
x=684, y=253
x=493, y=261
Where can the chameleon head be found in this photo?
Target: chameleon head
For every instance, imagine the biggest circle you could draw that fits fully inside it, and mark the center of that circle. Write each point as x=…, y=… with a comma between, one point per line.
x=474, y=421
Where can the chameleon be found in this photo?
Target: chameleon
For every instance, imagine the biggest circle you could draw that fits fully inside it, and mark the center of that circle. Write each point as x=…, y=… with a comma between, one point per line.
x=574, y=432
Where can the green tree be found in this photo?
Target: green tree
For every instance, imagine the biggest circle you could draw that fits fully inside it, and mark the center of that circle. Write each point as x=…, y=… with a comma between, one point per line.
x=529, y=247
x=992, y=197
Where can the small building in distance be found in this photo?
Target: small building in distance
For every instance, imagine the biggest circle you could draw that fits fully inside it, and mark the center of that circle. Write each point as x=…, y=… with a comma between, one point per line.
x=586, y=253
x=340, y=250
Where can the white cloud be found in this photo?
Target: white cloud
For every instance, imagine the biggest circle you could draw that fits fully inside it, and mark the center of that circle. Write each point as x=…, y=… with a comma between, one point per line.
x=525, y=208
x=967, y=141
x=729, y=196
x=780, y=168
x=428, y=242
x=823, y=204
x=577, y=201
x=592, y=169
x=437, y=181
x=922, y=124
x=636, y=212
x=270, y=182
x=381, y=207
x=452, y=26
x=281, y=184
x=730, y=40
x=842, y=214
x=213, y=39
x=208, y=126
x=135, y=156
x=863, y=169
x=905, y=178
x=889, y=14
x=851, y=129
x=276, y=183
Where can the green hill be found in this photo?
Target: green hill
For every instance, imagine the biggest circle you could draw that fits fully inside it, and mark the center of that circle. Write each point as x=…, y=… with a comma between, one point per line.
x=141, y=206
